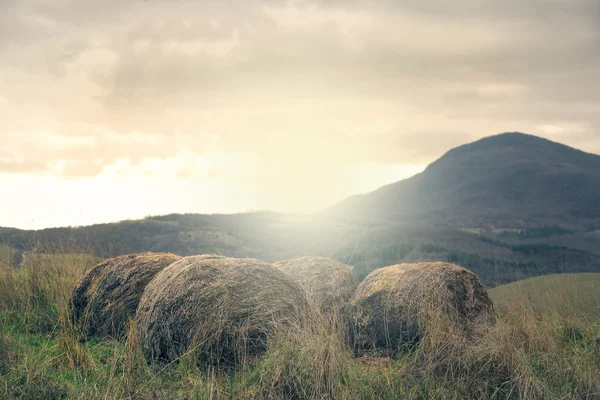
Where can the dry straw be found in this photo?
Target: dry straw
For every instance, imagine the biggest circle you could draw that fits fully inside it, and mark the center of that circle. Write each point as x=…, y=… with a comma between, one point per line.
x=329, y=283
x=396, y=306
x=106, y=298
x=219, y=311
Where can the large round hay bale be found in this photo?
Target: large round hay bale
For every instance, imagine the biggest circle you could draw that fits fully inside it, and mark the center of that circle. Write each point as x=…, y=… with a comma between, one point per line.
x=219, y=310
x=106, y=297
x=395, y=306
x=328, y=283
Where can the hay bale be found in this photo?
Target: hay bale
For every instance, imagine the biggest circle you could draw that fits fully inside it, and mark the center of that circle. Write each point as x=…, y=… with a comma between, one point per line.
x=218, y=310
x=395, y=306
x=106, y=298
x=329, y=284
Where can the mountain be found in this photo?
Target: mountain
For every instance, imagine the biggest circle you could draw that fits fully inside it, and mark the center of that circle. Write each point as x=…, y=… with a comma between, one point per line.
x=508, y=207
x=510, y=181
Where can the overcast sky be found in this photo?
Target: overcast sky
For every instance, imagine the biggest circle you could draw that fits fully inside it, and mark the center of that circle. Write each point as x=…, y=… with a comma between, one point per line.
x=120, y=109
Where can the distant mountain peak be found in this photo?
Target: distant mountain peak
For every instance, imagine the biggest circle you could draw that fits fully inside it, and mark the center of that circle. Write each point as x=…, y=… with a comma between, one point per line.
x=511, y=179
x=508, y=139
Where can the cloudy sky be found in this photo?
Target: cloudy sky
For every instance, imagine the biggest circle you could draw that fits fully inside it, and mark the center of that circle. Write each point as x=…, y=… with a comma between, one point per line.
x=120, y=109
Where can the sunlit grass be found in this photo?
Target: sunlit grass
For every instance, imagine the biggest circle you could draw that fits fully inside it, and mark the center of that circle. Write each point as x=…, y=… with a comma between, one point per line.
x=570, y=295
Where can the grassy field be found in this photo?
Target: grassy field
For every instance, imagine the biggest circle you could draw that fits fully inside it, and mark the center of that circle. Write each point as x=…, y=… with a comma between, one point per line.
x=527, y=355
x=574, y=295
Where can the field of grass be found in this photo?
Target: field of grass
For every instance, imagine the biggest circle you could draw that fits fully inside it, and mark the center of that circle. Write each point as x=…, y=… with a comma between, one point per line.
x=574, y=295
x=527, y=355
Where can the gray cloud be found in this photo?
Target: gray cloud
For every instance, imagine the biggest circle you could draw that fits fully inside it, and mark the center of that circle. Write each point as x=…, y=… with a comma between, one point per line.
x=388, y=82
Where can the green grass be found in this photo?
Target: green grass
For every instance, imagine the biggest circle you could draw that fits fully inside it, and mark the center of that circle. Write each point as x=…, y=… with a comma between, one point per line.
x=571, y=295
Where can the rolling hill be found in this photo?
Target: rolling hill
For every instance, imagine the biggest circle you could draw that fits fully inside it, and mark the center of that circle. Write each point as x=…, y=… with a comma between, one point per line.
x=508, y=207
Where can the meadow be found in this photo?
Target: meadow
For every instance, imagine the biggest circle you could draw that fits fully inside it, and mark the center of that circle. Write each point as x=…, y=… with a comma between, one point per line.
x=541, y=352
x=575, y=295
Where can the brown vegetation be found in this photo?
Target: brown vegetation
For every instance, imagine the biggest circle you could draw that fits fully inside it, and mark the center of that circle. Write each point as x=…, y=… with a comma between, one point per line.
x=394, y=306
x=219, y=311
x=329, y=284
x=106, y=298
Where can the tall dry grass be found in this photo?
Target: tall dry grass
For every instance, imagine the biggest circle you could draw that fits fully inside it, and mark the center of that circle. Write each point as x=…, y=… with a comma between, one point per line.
x=526, y=355
x=52, y=276
x=8, y=287
x=8, y=282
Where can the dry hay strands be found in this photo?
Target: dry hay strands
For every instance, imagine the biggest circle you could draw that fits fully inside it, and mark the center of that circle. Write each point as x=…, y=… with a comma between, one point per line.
x=217, y=310
x=395, y=307
x=106, y=298
x=329, y=284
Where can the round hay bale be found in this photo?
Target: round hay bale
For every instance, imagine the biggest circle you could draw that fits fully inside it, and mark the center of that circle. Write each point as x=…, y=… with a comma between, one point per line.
x=329, y=284
x=106, y=298
x=395, y=306
x=218, y=310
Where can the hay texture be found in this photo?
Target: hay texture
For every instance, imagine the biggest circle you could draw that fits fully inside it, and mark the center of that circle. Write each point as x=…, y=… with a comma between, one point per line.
x=219, y=311
x=106, y=298
x=329, y=284
x=395, y=306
